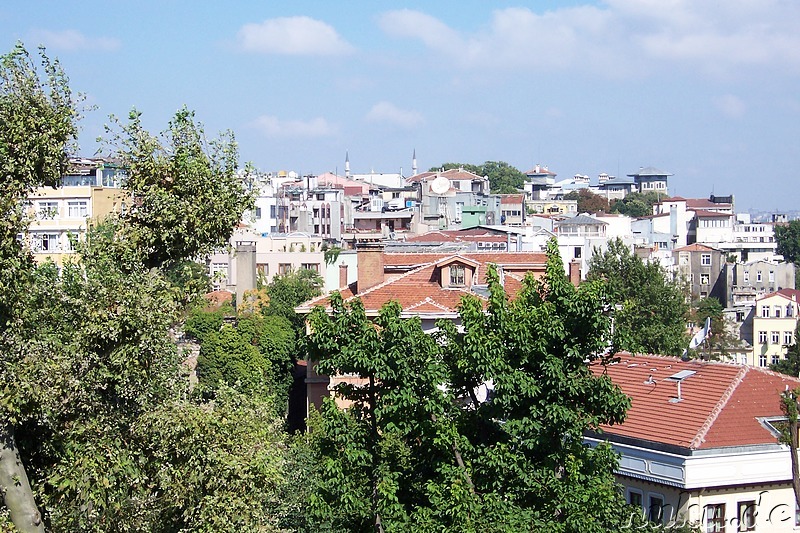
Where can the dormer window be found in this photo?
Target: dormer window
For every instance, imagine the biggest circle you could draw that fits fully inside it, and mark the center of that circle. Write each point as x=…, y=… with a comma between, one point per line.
x=457, y=276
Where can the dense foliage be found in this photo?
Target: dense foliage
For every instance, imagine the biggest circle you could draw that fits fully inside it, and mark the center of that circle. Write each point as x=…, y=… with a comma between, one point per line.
x=788, y=238
x=418, y=451
x=650, y=308
x=636, y=204
x=588, y=202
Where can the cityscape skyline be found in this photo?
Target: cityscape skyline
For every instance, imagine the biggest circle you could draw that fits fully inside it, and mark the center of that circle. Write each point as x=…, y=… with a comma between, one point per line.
x=703, y=90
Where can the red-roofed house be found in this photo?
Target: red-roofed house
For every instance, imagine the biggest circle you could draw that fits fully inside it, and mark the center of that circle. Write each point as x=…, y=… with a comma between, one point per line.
x=427, y=285
x=512, y=209
x=700, y=443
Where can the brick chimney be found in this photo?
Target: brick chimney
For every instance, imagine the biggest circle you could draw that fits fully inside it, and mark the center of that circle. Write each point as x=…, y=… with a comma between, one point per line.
x=370, y=265
x=575, y=272
x=342, y=275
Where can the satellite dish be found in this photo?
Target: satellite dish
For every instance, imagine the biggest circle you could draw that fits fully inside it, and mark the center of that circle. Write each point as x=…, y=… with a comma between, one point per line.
x=440, y=185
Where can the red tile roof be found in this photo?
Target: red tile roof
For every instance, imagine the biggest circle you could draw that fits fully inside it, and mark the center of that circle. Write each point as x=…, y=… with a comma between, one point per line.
x=695, y=203
x=513, y=199
x=452, y=174
x=720, y=403
x=696, y=247
x=419, y=290
x=791, y=294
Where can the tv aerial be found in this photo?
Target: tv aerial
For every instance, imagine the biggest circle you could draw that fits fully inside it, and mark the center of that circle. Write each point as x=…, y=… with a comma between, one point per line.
x=440, y=185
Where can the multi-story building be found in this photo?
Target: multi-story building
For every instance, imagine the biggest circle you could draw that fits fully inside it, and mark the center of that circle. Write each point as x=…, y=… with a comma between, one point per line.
x=89, y=191
x=774, y=323
x=701, y=266
x=650, y=180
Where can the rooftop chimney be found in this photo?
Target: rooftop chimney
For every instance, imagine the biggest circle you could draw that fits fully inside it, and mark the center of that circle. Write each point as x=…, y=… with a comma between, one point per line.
x=342, y=275
x=575, y=272
x=370, y=264
x=245, y=269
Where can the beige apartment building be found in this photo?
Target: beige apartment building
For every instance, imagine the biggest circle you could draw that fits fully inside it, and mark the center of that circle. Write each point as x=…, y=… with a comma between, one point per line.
x=90, y=191
x=774, y=323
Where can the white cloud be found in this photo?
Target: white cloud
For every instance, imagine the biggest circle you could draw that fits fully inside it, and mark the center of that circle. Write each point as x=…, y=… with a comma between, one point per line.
x=618, y=37
x=275, y=127
x=389, y=113
x=292, y=36
x=730, y=106
x=73, y=40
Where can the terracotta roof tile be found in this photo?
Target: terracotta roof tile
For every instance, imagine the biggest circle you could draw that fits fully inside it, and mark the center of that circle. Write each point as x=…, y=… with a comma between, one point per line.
x=696, y=247
x=419, y=290
x=720, y=403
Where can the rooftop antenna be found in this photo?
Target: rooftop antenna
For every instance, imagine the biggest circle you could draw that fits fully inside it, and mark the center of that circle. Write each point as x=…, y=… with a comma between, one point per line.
x=678, y=378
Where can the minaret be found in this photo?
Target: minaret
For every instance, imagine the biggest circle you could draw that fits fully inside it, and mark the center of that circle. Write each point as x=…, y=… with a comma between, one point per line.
x=414, y=163
x=346, y=164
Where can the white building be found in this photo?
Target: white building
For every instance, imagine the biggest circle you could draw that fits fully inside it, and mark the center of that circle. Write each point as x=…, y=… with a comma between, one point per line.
x=699, y=443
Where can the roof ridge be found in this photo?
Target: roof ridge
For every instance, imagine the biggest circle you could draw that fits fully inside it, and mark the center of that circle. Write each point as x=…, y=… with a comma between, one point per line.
x=427, y=300
x=723, y=401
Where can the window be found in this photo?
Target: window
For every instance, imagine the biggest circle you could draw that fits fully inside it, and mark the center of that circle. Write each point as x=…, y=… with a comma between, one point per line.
x=48, y=210
x=759, y=277
x=46, y=242
x=77, y=209
x=765, y=311
x=704, y=279
x=310, y=266
x=715, y=518
x=284, y=268
x=775, y=359
x=577, y=252
x=787, y=338
x=789, y=310
x=272, y=211
x=772, y=276
x=777, y=311
x=456, y=275
x=635, y=498
x=262, y=269
x=258, y=213
x=747, y=276
x=705, y=259
x=655, y=511
x=762, y=337
x=776, y=337
x=739, y=316
x=762, y=360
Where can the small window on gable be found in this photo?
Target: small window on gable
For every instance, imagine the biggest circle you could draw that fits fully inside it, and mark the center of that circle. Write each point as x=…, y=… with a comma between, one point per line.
x=457, y=276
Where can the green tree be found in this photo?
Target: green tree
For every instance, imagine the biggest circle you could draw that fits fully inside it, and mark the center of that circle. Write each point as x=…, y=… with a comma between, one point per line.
x=87, y=354
x=788, y=238
x=636, y=204
x=418, y=451
x=254, y=356
x=37, y=130
x=588, y=202
x=182, y=182
x=287, y=291
x=651, y=309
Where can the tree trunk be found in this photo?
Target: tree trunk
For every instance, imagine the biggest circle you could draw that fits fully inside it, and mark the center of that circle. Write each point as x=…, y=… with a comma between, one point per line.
x=14, y=487
x=793, y=445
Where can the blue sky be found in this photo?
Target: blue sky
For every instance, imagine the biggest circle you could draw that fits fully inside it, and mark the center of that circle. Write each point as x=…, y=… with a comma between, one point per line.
x=707, y=90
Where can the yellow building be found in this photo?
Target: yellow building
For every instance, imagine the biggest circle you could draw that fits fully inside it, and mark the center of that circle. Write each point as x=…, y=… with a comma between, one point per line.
x=774, y=323
x=90, y=191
